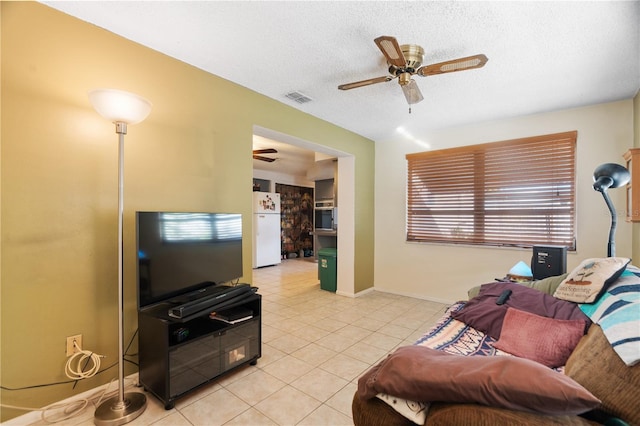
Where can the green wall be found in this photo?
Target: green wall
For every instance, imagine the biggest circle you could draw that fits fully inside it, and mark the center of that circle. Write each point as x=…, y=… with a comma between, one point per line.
x=59, y=183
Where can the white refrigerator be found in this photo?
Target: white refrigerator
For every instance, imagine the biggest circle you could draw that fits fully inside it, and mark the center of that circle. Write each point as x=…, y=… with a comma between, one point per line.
x=266, y=229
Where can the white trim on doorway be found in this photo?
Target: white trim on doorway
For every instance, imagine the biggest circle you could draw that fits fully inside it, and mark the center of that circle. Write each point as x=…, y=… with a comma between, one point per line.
x=346, y=204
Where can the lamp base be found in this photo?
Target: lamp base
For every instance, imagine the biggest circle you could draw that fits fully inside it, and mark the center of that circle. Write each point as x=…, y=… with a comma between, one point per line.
x=112, y=412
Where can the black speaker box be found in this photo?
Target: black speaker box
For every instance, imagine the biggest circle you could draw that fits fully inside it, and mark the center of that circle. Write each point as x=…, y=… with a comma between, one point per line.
x=548, y=261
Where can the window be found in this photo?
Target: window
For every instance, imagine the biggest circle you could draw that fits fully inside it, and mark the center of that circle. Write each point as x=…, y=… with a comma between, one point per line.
x=515, y=193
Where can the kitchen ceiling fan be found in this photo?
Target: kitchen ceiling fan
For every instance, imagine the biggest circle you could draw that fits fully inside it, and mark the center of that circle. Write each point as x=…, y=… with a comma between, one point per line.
x=405, y=61
x=257, y=154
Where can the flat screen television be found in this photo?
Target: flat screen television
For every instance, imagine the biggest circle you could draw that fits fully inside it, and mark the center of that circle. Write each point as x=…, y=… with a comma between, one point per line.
x=181, y=255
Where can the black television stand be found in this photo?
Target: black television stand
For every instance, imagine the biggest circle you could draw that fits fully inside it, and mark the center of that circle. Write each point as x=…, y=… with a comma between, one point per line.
x=178, y=355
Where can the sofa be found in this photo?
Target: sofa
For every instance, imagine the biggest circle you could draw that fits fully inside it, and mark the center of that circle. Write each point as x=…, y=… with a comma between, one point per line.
x=593, y=364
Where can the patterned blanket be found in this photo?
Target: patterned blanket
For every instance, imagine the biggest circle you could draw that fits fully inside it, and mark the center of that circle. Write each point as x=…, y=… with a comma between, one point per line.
x=455, y=337
x=618, y=314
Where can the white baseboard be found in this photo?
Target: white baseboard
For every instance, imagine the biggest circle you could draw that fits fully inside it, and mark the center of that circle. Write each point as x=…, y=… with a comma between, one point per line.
x=35, y=416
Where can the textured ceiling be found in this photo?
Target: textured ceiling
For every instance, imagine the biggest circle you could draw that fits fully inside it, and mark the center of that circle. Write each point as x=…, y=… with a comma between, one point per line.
x=543, y=56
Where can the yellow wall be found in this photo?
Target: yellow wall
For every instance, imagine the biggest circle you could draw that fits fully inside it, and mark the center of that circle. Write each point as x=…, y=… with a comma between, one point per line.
x=59, y=182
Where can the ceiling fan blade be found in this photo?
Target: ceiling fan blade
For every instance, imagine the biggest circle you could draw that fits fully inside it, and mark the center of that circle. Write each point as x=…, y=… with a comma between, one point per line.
x=412, y=92
x=265, y=151
x=365, y=82
x=391, y=50
x=261, y=158
x=461, y=64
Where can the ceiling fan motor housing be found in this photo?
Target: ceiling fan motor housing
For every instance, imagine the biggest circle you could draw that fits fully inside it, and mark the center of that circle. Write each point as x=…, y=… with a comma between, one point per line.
x=414, y=55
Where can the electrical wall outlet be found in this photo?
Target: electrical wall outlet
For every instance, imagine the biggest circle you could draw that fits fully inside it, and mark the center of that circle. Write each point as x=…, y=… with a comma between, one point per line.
x=71, y=349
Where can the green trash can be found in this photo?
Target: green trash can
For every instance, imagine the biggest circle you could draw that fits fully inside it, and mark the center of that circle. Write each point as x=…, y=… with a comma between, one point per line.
x=327, y=268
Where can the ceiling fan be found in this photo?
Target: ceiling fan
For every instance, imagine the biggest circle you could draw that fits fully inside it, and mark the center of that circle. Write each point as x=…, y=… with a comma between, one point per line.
x=405, y=61
x=257, y=156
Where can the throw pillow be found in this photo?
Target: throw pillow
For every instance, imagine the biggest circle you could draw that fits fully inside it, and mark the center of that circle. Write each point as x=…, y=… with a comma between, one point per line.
x=412, y=410
x=483, y=314
x=417, y=373
x=548, y=285
x=545, y=340
x=590, y=279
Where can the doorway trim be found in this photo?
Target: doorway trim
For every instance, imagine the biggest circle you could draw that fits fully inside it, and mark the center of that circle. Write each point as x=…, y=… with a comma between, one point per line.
x=346, y=205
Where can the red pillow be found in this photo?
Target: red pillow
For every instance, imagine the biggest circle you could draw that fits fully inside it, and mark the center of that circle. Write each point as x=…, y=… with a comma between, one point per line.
x=545, y=340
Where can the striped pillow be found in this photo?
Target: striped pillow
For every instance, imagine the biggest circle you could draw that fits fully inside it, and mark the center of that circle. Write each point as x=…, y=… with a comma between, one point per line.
x=618, y=314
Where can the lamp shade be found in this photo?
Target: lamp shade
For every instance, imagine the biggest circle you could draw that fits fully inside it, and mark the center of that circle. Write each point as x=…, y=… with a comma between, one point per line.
x=120, y=106
x=610, y=175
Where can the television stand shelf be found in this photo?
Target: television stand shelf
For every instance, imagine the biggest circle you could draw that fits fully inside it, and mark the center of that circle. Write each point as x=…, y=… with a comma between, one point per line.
x=178, y=356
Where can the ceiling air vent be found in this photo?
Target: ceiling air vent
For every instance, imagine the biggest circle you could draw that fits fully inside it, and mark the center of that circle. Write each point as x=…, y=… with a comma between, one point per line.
x=299, y=97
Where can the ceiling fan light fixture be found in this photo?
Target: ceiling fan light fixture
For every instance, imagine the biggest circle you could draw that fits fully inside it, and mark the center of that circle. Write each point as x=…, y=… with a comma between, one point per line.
x=412, y=93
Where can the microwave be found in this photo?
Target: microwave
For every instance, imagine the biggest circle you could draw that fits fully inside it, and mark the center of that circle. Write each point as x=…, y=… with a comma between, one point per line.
x=325, y=218
x=324, y=204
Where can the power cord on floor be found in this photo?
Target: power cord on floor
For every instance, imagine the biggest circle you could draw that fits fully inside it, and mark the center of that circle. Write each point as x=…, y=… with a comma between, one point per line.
x=69, y=409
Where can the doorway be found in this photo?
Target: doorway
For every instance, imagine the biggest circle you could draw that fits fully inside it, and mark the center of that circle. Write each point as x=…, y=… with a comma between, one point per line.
x=309, y=153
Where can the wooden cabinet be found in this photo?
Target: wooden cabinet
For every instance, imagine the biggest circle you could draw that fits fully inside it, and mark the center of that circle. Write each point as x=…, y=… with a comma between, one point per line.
x=632, y=157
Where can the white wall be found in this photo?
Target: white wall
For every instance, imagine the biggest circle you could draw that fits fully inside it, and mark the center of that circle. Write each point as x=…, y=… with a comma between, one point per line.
x=445, y=272
x=346, y=226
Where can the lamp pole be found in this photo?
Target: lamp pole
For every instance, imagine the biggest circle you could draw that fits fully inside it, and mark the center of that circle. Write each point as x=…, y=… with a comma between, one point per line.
x=121, y=130
x=611, y=245
x=121, y=108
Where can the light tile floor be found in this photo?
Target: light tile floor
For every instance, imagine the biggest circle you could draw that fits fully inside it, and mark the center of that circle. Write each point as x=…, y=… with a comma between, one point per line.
x=315, y=345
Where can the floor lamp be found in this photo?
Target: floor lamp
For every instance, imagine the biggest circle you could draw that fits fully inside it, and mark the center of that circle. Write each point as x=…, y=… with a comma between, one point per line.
x=610, y=175
x=121, y=108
